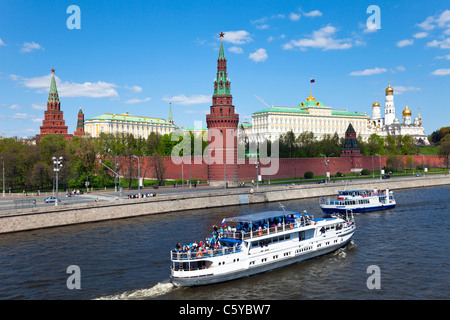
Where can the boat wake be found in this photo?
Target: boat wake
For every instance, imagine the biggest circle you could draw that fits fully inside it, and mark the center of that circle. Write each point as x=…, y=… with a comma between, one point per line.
x=153, y=292
x=341, y=252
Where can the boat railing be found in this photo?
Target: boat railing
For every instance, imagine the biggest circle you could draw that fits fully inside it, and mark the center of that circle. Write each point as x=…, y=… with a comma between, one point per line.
x=204, y=253
x=282, y=227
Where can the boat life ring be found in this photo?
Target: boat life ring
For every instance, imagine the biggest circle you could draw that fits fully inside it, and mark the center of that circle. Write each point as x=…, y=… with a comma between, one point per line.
x=199, y=254
x=291, y=225
x=260, y=232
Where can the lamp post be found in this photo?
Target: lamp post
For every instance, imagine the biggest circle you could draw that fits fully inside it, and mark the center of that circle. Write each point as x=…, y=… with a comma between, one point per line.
x=327, y=165
x=380, y=163
x=139, y=173
x=57, y=165
x=257, y=177
x=120, y=183
x=3, y=160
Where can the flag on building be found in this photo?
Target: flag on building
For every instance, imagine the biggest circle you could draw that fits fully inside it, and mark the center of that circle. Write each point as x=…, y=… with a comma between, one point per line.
x=311, y=80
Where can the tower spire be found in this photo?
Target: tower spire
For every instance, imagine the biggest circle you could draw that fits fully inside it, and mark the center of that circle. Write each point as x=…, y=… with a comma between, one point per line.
x=170, y=119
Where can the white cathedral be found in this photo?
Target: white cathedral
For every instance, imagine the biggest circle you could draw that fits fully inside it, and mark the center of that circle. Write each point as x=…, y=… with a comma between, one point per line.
x=390, y=125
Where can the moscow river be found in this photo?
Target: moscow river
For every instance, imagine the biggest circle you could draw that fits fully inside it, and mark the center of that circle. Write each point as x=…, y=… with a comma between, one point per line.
x=130, y=258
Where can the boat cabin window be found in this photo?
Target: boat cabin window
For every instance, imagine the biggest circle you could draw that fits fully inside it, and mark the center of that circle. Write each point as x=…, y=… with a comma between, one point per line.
x=264, y=242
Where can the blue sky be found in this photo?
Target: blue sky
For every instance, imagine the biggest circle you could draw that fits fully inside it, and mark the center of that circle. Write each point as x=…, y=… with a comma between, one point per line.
x=137, y=56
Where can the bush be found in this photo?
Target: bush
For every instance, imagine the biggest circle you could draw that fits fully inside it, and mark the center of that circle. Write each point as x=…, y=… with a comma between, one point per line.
x=339, y=174
x=365, y=172
x=308, y=175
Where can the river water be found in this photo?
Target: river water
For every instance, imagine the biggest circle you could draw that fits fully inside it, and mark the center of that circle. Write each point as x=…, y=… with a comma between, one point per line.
x=129, y=258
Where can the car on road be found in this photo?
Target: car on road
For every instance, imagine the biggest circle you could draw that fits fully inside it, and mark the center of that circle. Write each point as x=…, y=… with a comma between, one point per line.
x=386, y=176
x=51, y=199
x=321, y=181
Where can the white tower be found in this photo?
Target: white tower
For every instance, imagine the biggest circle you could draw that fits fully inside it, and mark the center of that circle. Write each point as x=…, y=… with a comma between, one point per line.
x=406, y=115
x=389, y=109
x=376, y=111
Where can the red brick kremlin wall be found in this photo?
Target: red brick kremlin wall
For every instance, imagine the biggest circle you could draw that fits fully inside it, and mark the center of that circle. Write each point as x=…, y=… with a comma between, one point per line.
x=288, y=168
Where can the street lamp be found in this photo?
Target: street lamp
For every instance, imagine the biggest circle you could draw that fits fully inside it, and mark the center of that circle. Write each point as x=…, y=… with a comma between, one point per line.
x=120, y=184
x=380, y=163
x=3, y=160
x=257, y=177
x=57, y=165
x=139, y=173
x=327, y=165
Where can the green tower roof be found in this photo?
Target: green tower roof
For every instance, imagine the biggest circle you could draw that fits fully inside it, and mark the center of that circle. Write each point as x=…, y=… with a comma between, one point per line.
x=53, y=93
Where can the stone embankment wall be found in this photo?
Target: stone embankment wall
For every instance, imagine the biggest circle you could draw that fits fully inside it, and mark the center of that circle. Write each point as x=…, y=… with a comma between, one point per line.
x=37, y=218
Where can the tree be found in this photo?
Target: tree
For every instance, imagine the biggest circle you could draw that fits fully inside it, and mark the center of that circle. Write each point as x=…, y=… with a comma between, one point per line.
x=159, y=169
x=444, y=149
x=375, y=145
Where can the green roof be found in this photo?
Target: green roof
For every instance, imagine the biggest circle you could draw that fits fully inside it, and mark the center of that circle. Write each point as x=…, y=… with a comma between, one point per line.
x=125, y=117
x=282, y=110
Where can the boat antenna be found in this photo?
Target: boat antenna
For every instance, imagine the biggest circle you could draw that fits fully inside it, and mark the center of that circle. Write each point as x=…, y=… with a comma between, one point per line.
x=282, y=206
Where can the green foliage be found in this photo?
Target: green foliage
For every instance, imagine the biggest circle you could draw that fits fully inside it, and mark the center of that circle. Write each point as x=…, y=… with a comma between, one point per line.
x=365, y=172
x=308, y=175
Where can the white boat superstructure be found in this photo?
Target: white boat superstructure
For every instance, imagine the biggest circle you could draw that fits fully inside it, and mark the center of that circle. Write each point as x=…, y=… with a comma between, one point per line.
x=251, y=244
x=358, y=201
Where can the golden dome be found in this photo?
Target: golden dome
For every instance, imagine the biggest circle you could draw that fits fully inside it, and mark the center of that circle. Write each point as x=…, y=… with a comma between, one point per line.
x=375, y=104
x=310, y=98
x=406, y=112
x=389, y=90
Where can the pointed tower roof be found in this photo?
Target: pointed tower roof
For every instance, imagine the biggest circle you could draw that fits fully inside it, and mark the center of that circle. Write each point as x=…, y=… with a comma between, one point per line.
x=170, y=119
x=81, y=111
x=53, y=93
x=221, y=51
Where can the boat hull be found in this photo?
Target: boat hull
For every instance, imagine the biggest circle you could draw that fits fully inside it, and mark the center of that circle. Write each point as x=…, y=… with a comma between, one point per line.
x=250, y=271
x=343, y=210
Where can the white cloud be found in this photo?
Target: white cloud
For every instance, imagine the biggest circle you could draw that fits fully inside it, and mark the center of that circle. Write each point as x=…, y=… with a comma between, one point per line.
x=259, y=55
x=404, y=43
x=38, y=107
x=235, y=49
x=262, y=26
x=2, y=43
x=420, y=35
x=15, y=107
x=98, y=89
x=400, y=89
x=320, y=39
x=368, y=72
x=31, y=46
x=446, y=57
x=133, y=101
x=400, y=68
x=441, y=72
x=136, y=89
x=185, y=100
x=294, y=16
x=237, y=37
x=441, y=21
x=427, y=24
x=312, y=14
x=444, y=44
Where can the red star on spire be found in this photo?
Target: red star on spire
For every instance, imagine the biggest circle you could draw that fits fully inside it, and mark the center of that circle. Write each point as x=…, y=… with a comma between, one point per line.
x=53, y=70
x=221, y=34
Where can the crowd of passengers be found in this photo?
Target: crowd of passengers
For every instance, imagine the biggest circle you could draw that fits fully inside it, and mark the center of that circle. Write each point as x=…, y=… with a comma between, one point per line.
x=209, y=243
x=213, y=242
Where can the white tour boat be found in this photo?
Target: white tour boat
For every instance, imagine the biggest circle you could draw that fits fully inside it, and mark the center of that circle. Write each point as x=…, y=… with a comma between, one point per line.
x=256, y=243
x=358, y=201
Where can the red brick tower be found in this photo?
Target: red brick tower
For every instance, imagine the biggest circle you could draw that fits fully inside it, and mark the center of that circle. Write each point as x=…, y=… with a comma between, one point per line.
x=53, y=118
x=222, y=125
x=351, y=149
x=80, y=124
